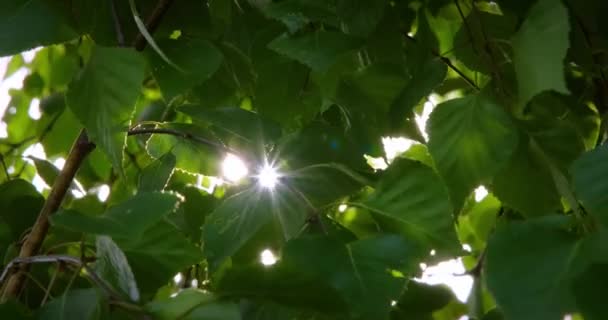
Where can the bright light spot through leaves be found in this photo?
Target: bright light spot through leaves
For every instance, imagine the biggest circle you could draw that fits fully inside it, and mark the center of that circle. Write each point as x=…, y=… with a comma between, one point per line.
x=233, y=168
x=480, y=193
x=267, y=257
x=268, y=177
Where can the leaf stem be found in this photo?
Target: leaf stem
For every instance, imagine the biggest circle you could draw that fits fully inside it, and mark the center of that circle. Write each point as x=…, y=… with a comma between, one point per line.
x=448, y=63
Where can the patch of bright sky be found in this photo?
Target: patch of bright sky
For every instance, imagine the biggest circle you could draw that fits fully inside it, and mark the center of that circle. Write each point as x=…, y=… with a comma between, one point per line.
x=450, y=273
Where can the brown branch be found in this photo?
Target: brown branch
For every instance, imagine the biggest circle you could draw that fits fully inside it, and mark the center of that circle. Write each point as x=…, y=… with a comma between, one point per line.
x=448, y=63
x=81, y=148
x=152, y=23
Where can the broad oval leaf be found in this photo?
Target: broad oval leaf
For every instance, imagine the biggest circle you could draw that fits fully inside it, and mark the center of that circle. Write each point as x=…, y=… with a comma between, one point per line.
x=239, y=217
x=539, y=49
x=411, y=199
x=590, y=174
x=25, y=24
x=103, y=97
x=112, y=266
x=78, y=304
x=192, y=304
x=318, y=50
x=128, y=219
x=470, y=139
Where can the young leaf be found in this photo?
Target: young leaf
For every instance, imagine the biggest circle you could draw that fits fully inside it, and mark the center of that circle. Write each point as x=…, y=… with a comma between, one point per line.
x=470, y=139
x=104, y=95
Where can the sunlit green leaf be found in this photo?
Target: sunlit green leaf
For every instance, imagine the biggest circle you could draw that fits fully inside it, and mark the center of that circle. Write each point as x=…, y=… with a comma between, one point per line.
x=471, y=139
x=104, y=95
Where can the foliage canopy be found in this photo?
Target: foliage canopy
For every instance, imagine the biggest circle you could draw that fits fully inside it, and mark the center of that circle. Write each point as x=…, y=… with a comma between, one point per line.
x=154, y=101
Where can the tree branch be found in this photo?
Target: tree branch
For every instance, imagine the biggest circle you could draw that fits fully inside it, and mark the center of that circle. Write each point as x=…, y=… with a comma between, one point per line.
x=116, y=298
x=81, y=148
x=448, y=63
x=152, y=23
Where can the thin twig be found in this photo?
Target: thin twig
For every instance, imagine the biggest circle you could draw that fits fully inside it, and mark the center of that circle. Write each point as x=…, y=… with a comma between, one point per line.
x=152, y=23
x=448, y=63
x=184, y=135
x=47, y=294
x=120, y=36
x=81, y=148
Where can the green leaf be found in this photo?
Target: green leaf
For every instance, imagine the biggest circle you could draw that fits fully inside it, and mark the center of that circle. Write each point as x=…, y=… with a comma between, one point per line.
x=539, y=48
x=239, y=217
x=75, y=304
x=476, y=223
x=530, y=266
x=126, y=220
x=360, y=17
x=104, y=95
x=411, y=199
x=50, y=26
x=470, y=139
x=591, y=188
x=420, y=300
x=525, y=183
x=193, y=304
x=245, y=125
x=323, y=184
x=196, y=149
x=160, y=253
x=198, y=59
x=587, y=291
x=191, y=214
x=156, y=175
x=20, y=203
x=317, y=50
x=112, y=266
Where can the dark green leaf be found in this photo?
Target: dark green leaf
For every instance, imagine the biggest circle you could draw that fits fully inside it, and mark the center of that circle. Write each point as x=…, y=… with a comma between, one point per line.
x=78, y=304
x=471, y=139
x=20, y=32
x=160, y=253
x=126, y=220
x=411, y=199
x=590, y=185
x=539, y=49
x=420, y=300
x=587, y=291
x=317, y=50
x=155, y=176
x=198, y=59
x=359, y=16
x=112, y=266
x=20, y=203
x=195, y=148
x=104, y=95
x=193, y=304
x=530, y=267
x=239, y=217
x=245, y=125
